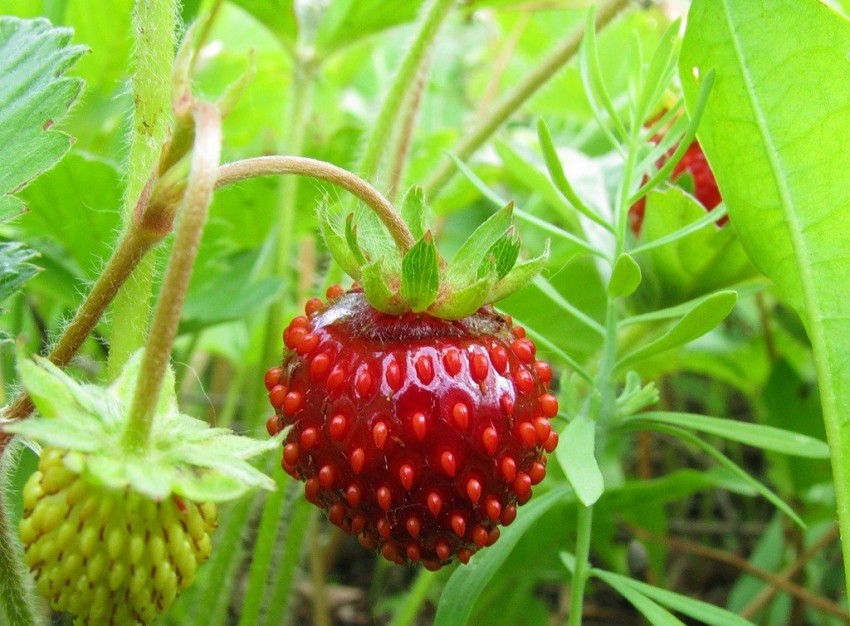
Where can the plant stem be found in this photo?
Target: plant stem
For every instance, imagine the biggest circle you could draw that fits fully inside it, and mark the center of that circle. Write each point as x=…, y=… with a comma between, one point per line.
x=19, y=602
x=301, y=166
x=410, y=66
x=132, y=247
x=154, y=22
x=409, y=609
x=580, y=575
x=514, y=99
x=195, y=206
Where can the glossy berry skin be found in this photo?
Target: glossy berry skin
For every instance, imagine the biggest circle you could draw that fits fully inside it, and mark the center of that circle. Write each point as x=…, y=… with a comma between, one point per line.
x=417, y=434
x=705, y=186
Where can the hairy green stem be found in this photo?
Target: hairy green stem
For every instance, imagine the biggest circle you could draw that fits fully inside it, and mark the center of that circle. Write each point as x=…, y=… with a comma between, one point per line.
x=484, y=128
x=391, y=107
x=18, y=602
x=154, y=23
x=195, y=206
x=302, y=166
x=132, y=247
x=580, y=575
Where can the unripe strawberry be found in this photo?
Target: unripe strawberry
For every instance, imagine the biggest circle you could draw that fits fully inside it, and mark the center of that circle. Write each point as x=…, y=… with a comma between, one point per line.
x=109, y=556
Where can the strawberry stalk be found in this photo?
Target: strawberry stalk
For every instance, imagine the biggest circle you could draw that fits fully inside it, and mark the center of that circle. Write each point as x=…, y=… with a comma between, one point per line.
x=264, y=166
x=199, y=192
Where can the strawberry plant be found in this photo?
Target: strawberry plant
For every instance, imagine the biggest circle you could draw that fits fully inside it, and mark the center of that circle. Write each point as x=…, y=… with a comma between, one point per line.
x=494, y=311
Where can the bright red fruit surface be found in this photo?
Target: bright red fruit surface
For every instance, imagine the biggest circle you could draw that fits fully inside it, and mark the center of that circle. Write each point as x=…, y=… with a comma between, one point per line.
x=705, y=186
x=417, y=434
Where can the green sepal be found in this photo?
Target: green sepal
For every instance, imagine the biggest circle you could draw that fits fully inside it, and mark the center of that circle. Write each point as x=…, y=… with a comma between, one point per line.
x=503, y=254
x=463, y=269
x=185, y=456
x=351, y=240
x=414, y=211
x=336, y=242
x=420, y=274
x=455, y=305
x=377, y=289
x=625, y=277
x=519, y=276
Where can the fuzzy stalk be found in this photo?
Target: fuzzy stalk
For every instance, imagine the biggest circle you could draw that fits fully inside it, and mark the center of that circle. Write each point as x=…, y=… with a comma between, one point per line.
x=237, y=171
x=154, y=25
x=18, y=602
x=391, y=107
x=484, y=128
x=193, y=214
x=132, y=247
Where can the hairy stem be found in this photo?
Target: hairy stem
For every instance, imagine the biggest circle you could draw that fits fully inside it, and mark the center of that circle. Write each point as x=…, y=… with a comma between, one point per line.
x=126, y=256
x=514, y=99
x=301, y=166
x=410, y=66
x=18, y=602
x=154, y=23
x=404, y=136
x=195, y=206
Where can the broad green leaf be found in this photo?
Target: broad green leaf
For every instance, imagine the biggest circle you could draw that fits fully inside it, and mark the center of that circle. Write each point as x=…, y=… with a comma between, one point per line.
x=757, y=435
x=577, y=458
x=34, y=96
x=703, y=261
x=14, y=268
x=703, y=317
x=414, y=211
x=782, y=91
x=276, y=15
x=468, y=582
x=348, y=21
x=625, y=277
x=420, y=274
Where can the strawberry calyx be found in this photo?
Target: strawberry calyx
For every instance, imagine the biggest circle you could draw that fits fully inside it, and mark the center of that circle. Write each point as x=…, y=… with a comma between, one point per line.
x=397, y=279
x=185, y=457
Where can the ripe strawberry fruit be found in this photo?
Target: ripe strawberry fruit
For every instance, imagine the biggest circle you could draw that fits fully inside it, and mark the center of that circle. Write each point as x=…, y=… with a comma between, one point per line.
x=705, y=190
x=418, y=417
x=109, y=556
x=420, y=435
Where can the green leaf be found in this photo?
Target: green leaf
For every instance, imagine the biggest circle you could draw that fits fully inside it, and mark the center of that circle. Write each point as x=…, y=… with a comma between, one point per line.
x=577, y=458
x=351, y=240
x=467, y=583
x=14, y=269
x=782, y=90
x=654, y=613
x=34, y=96
x=414, y=211
x=757, y=435
x=502, y=255
x=701, y=318
x=625, y=277
x=336, y=242
x=519, y=276
x=276, y=15
x=420, y=274
x=463, y=270
x=378, y=291
x=721, y=458
x=556, y=171
x=348, y=21
x=679, y=269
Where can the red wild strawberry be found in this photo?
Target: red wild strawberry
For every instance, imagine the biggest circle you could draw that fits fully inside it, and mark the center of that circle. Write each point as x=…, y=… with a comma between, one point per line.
x=705, y=186
x=420, y=435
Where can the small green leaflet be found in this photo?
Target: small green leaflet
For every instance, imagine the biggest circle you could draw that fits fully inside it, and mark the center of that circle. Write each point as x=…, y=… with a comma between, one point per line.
x=34, y=96
x=463, y=268
x=420, y=274
x=625, y=277
x=578, y=460
x=414, y=211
